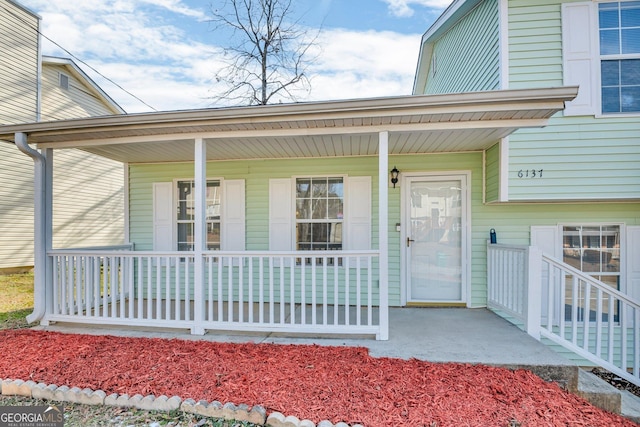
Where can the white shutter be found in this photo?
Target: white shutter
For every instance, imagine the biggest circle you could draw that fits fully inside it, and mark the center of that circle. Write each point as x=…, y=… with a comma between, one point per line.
x=358, y=211
x=233, y=215
x=280, y=215
x=545, y=237
x=579, y=56
x=163, y=216
x=633, y=261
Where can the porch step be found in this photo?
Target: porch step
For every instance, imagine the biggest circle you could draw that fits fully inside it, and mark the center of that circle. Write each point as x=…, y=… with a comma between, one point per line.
x=605, y=396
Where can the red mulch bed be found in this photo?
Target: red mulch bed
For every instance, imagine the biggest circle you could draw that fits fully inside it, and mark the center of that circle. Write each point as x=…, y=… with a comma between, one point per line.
x=314, y=382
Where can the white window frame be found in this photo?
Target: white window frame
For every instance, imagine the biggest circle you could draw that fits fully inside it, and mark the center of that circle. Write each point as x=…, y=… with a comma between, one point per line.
x=621, y=274
x=622, y=256
x=600, y=58
x=176, y=200
x=295, y=221
x=581, y=60
x=357, y=214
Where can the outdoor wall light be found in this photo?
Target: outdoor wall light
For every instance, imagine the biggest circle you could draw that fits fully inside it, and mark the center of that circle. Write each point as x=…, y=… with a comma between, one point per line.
x=394, y=176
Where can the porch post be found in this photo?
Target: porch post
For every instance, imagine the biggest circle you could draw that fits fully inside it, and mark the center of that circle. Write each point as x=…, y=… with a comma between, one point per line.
x=199, y=234
x=383, y=232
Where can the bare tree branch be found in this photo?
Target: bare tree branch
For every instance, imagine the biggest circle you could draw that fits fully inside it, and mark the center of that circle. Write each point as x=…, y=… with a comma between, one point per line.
x=267, y=55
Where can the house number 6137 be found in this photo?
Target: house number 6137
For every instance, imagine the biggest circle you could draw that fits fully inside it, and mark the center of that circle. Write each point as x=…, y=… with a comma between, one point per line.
x=530, y=173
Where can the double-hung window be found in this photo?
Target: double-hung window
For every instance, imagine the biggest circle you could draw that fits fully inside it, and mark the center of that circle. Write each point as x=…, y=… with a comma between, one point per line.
x=619, y=31
x=319, y=213
x=594, y=250
x=185, y=215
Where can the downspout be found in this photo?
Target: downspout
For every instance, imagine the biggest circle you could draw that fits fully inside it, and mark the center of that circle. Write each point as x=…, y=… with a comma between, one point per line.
x=39, y=216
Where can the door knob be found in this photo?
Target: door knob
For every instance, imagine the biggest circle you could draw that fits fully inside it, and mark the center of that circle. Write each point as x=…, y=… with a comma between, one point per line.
x=409, y=240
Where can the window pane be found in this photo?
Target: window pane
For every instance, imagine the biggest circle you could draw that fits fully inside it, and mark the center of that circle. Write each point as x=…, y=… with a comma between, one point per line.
x=213, y=200
x=608, y=16
x=630, y=99
x=319, y=209
x=609, y=42
x=213, y=236
x=630, y=72
x=610, y=73
x=303, y=209
x=185, y=237
x=185, y=201
x=320, y=235
x=630, y=14
x=631, y=41
x=336, y=187
x=319, y=188
x=303, y=187
x=303, y=236
x=335, y=209
x=610, y=100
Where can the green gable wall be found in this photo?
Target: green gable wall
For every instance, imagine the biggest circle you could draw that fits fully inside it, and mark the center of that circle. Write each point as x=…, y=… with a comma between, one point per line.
x=466, y=58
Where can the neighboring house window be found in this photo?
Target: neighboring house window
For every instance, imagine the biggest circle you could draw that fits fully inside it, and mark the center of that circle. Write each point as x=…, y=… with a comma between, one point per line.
x=319, y=213
x=619, y=28
x=185, y=215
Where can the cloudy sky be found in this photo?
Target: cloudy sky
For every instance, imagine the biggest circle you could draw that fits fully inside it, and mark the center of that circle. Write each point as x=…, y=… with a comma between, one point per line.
x=166, y=53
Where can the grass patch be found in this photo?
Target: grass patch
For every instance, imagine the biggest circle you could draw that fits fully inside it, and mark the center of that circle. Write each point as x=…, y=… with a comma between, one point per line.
x=16, y=300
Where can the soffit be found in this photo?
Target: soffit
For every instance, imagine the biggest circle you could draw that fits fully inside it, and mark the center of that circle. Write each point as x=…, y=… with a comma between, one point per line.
x=416, y=124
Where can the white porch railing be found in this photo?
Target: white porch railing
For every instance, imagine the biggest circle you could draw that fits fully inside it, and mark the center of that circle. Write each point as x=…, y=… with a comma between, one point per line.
x=333, y=292
x=553, y=300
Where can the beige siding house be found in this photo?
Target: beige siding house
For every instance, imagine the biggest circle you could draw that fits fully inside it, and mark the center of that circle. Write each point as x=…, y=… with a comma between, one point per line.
x=89, y=190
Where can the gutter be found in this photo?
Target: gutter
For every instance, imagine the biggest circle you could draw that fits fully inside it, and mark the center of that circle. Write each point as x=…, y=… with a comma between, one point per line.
x=40, y=245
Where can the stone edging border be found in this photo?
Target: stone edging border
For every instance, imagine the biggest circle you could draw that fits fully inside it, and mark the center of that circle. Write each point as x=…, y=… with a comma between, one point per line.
x=228, y=411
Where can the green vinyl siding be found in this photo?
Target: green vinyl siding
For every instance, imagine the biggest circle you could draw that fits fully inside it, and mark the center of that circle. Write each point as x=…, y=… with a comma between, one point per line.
x=492, y=172
x=535, y=44
x=582, y=158
x=466, y=58
x=511, y=221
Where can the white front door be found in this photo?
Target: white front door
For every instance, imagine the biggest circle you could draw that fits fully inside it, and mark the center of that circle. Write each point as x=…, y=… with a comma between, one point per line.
x=435, y=239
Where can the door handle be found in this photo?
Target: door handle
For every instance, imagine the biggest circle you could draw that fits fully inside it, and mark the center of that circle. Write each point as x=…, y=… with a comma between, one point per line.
x=409, y=240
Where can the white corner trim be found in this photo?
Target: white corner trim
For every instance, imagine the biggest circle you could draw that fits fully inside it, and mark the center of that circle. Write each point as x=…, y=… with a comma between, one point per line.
x=503, y=187
x=503, y=11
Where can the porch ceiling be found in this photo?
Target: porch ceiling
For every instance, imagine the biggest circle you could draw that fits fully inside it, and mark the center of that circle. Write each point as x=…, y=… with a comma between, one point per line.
x=416, y=124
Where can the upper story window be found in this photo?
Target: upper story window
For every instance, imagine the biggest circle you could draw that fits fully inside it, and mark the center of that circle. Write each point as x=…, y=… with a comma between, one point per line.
x=619, y=31
x=319, y=213
x=185, y=215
